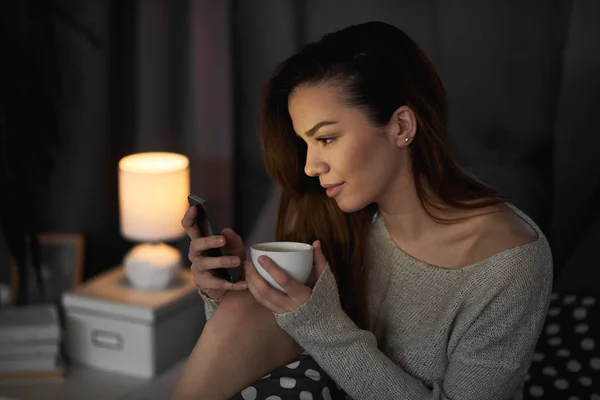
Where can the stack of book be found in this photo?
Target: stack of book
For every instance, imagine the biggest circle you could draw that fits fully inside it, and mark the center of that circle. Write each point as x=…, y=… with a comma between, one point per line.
x=30, y=343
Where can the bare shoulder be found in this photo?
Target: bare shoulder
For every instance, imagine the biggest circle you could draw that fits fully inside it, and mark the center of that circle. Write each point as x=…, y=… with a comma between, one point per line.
x=499, y=230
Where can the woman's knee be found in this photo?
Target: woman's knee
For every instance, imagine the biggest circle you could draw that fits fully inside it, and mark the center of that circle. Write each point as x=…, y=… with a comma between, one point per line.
x=241, y=306
x=239, y=312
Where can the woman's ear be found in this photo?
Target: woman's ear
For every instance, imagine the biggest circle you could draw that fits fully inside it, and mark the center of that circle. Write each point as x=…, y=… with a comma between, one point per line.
x=404, y=126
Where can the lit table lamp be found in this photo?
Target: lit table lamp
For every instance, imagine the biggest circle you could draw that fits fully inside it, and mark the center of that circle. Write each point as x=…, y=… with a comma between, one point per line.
x=153, y=190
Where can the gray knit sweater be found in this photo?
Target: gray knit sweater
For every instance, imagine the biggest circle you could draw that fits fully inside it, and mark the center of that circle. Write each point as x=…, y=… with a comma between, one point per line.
x=465, y=334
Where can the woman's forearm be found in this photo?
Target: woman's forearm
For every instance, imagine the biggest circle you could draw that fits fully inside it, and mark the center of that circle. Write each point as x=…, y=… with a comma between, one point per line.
x=240, y=343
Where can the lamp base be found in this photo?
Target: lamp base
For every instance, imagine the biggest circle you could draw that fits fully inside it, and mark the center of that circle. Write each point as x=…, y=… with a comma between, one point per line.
x=152, y=266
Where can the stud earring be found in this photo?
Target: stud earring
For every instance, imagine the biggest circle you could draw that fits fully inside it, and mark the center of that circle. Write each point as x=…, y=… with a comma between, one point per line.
x=406, y=139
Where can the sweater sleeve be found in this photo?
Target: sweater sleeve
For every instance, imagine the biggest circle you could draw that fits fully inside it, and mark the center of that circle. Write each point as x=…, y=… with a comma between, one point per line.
x=484, y=365
x=490, y=356
x=210, y=305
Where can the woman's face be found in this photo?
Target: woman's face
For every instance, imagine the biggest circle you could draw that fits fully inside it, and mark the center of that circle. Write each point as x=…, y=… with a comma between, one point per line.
x=355, y=161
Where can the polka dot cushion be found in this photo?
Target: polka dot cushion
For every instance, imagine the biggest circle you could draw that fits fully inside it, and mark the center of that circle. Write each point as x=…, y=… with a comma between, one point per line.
x=566, y=363
x=302, y=379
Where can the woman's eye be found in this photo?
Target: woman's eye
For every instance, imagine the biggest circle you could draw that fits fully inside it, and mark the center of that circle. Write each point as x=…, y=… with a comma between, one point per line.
x=326, y=140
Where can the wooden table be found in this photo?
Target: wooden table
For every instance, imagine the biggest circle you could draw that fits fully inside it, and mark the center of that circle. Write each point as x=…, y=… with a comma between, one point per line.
x=91, y=384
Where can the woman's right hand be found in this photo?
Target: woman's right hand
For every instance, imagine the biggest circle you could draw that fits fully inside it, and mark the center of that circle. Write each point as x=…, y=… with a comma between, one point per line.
x=213, y=287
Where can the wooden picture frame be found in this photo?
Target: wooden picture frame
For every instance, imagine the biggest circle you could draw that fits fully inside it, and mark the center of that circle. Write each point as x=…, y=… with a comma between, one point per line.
x=62, y=256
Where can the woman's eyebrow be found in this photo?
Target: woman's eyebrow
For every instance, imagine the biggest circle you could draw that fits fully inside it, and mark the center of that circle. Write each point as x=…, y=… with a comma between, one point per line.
x=318, y=126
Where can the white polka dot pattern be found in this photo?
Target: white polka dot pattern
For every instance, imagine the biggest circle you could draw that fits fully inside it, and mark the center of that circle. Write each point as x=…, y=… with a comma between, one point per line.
x=585, y=380
x=249, y=393
x=561, y=384
x=566, y=359
x=581, y=328
x=536, y=391
x=580, y=313
x=552, y=329
x=573, y=366
x=305, y=395
x=302, y=379
x=588, y=344
x=588, y=301
x=312, y=374
x=287, y=383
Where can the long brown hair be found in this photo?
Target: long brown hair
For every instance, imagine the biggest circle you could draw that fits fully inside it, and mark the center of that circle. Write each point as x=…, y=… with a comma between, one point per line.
x=378, y=68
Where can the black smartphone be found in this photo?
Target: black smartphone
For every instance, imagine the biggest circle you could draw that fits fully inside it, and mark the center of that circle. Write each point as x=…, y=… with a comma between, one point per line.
x=208, y=227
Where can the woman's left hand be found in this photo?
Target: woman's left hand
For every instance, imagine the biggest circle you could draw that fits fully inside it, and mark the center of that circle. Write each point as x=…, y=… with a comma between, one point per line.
x=273, y=299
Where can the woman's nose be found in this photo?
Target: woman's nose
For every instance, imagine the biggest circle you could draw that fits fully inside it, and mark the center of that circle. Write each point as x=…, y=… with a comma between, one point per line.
x=315, y=165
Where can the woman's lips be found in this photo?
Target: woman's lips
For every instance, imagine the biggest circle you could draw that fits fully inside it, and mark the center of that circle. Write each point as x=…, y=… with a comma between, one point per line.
x=333, y=191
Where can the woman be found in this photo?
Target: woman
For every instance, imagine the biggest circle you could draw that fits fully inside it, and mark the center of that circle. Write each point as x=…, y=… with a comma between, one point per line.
x=428, y=284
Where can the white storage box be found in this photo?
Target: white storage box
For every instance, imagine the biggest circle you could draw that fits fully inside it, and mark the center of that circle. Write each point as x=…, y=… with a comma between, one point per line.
x=114, y=327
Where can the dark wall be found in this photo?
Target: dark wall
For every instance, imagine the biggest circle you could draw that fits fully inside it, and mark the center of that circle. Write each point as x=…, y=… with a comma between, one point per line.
x=576, y=219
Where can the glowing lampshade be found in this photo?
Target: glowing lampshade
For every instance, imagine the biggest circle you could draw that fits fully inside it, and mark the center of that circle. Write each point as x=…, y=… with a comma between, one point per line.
x=153, y=190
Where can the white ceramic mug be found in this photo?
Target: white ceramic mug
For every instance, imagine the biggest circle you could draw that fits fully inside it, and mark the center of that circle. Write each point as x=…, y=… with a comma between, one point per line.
x=293, y=257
